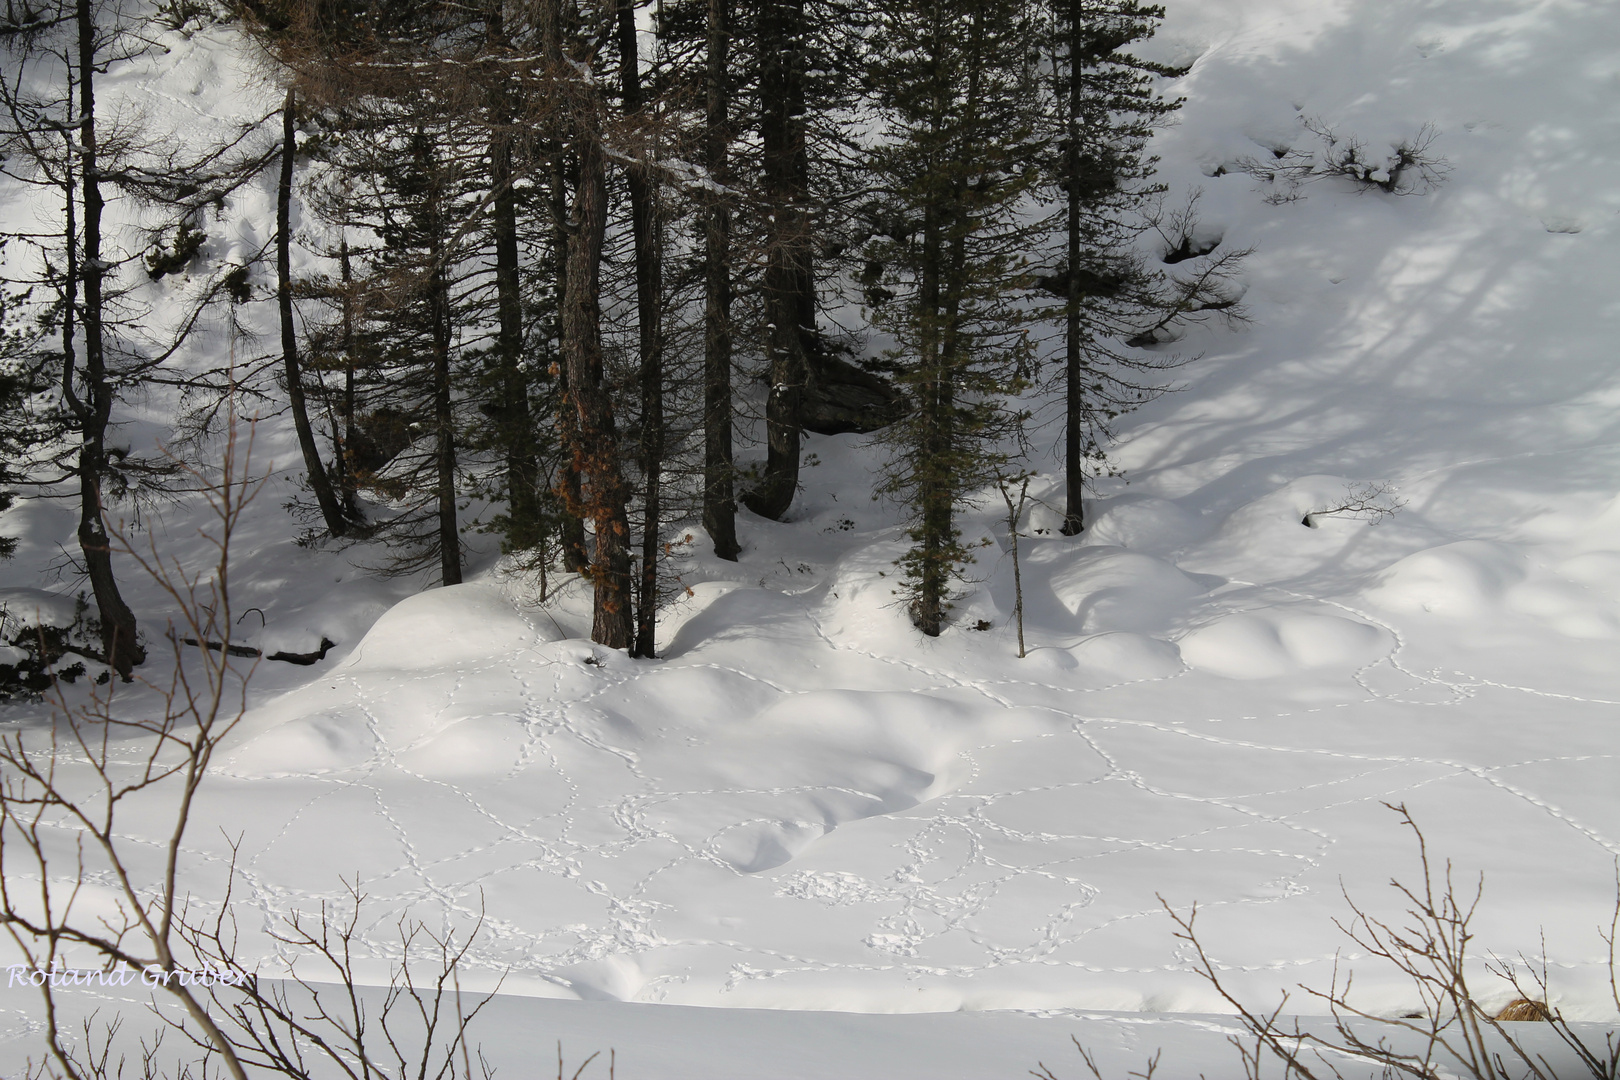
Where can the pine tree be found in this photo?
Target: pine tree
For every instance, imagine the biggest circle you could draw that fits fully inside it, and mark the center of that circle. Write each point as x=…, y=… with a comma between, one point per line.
x=789, y=278
x=719, y=493
x=406, y=171
x=591, y=434
x=957, y=166
x=423, y=143
x=1107, y=106
x=647, y=234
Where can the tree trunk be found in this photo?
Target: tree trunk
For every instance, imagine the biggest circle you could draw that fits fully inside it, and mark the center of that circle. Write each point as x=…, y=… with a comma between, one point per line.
x=1073, y=372
x=649, y=287
x=790, y=300
x=934, y=487
x=319, y=482
x=944, y=285
x=516, y=423
x=346, y=465
x=719, y=497
x=596, y=442
x=121, y=647
x=444, y=429
x=576, y=556
x=442, y=332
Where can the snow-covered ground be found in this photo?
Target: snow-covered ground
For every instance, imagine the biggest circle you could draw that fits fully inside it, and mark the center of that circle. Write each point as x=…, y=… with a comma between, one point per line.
x=803, y=805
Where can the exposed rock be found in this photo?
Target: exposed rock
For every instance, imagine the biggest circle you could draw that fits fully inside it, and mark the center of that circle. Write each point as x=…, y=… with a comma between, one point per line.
x=840, y=397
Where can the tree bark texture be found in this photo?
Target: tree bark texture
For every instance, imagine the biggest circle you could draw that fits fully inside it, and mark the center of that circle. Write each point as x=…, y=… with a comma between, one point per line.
x=351, y=433
x=1073, y=370
x=576, y=556
x=934, y=487
x=649, y=289
x=444, y=425
x=516, y=423
x=595, y=439
x=790, y=296
x=719, y=496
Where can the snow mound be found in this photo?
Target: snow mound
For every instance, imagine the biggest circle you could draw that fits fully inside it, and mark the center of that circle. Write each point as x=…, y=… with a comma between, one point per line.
x=1112, y=589
x=1274, y=524
x=1127, y=657
x=36, y=607
x=329, y=741
x=1155, y=526
x=443, y=628
x=863, y=603
x=1599, y=571
x=1267, y=644
x=476, y=746
x=613, y=978
x=1465, y=580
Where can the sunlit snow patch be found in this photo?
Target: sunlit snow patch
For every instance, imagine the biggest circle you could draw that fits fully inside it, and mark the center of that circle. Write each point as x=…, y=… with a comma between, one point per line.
x=1266, y=644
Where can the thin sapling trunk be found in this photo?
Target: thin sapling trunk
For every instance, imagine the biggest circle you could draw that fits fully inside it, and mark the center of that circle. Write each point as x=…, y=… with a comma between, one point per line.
x=319, y=482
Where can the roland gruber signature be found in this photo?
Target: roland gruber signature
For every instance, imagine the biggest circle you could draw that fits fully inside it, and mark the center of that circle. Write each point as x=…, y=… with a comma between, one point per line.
x=122, y=975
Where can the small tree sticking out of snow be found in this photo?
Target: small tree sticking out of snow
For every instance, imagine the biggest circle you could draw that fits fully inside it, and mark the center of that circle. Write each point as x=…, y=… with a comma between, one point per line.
x=1370, y=502
x=1410, y=168
x=1182, y=234
x=1015, y=511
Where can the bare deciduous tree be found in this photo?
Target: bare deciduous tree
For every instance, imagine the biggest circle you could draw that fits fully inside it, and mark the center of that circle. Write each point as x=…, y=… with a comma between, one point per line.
x=1433, y=949
x=63, y=832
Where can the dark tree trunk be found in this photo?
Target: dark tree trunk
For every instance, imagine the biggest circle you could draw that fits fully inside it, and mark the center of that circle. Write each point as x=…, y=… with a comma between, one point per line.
x=934, y=486
x=444, y=429
x=576, y=556
x=719, y=497
x=120, y=645
x=596, y=442
x=346, y=449
x=516, y=423
x=790, y=294
x=649, y=287
x=319, y=482
x=1073, y=371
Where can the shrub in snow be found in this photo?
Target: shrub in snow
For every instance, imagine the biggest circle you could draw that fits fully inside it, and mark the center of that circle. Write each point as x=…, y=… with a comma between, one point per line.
x=37, y=630
x=173, y=251
x=1410, y=168
x=312, y=1021
x=1370, y=502
x=1453, y=1033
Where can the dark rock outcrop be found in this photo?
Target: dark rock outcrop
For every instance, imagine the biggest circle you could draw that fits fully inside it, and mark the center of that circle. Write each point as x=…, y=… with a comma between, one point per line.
x=840, y=397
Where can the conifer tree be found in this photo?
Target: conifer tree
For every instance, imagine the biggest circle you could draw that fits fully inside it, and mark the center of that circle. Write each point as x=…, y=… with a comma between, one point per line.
x=591, y=435
x=406, y=172
x=789, y=278
x=719, y=493
x=958, y=162
x=1107, y=107
x=647, y=235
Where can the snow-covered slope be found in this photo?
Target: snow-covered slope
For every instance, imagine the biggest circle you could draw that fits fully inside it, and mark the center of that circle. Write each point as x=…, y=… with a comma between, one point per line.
x=805, y=805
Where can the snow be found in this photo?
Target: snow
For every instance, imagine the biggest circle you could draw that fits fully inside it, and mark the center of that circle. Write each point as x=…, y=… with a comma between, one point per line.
x=805, y=806
x=526, y=1037
x=35, y=607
